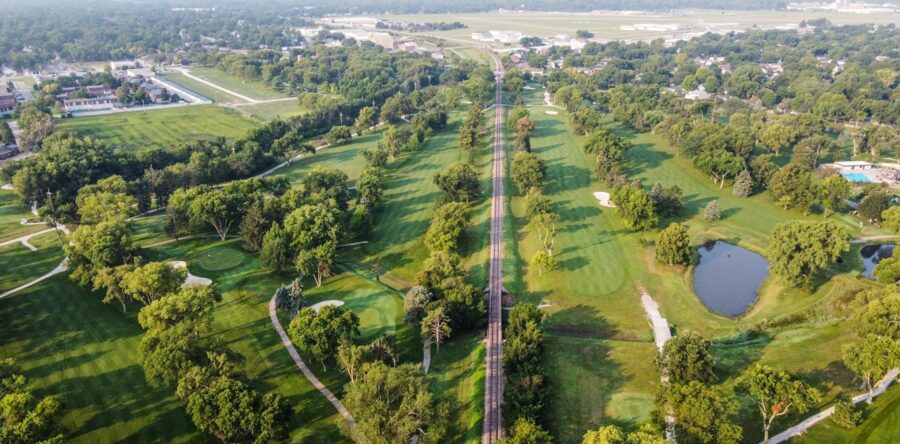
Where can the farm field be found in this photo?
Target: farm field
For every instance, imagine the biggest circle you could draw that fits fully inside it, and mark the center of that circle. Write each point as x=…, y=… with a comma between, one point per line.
x=165, y=128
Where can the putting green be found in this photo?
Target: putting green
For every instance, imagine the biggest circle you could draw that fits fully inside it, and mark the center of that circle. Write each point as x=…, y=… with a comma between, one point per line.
x=222, y=258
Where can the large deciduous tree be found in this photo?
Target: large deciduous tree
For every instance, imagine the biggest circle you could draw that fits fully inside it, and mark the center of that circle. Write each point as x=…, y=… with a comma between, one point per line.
x=435, y=326
x=687, y=358
x=635, y=206
x=527, y=171
x=702, y=414
x=798, y=249
x=319, y=332
x=871, y=357
x=106, y=200
x=674, y=245
x=147, y=283
x=459, y=182
x=777, y=393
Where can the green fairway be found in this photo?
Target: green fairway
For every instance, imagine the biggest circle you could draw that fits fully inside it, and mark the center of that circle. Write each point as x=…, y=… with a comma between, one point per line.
x=162, y=128
x=346, y=157
x=458, y=373
x=12, y=211
x=21, y=265
x=882, y=425
x=71, y=345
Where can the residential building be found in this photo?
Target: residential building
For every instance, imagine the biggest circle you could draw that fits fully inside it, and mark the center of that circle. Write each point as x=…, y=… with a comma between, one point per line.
x=7, y=102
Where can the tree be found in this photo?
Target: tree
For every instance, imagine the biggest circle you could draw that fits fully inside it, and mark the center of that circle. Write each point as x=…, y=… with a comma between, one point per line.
x=338, y=134
x=212, y=206
x=871, y=357
x=846, y=414
x=720, y=165
x=254, y=227
x=890, y=219
x=25, y=418
x=584, y=34
x=777, y=393
x=674, y=245
x=367, y=118
x=647, y=434
x=873, y=205
x=6, y=134
x=276, y=249
x=686, y=358
x=832, y=193
x=317, y=262
x=776, y=137
x=436, y=326
x=635, y=206
x=35, y=125
x=545, y=223
x=666, y=201
x=371, y=186
x=94, y=247
x=312, y=225
x=290, y=298
x=319, y=333
x=712, y=212
x=743, y=185
x=701, y=414
x=446, y=228
x=110, y=279
x=799, y=249
x=527, y=171
x=106, y=200
x=150, y=282
x=190, y=309
x=610, y=150
x=351, y=358
x=393, y=404
x=792, y=187
x=887, y=271
x=604, y=435
x=543, y=261
x=459, y=182
x=414, y=304
x=524, y=431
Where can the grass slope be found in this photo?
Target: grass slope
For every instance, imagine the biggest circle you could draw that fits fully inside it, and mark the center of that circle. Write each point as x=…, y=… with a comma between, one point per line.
x=21, y=265
x=881, y=426
x=164, y=128
x=12, y=211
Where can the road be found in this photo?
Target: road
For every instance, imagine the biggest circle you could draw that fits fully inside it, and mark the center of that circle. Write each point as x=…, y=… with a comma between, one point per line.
x=493, y=381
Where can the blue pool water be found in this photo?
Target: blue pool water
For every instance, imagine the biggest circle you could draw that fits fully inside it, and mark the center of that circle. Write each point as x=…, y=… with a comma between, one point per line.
x=857, y=177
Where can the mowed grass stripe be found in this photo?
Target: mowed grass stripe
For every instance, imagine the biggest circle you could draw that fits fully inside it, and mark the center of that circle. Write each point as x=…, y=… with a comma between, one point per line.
x=72, y=345
x=12, y=211
x=161, y=128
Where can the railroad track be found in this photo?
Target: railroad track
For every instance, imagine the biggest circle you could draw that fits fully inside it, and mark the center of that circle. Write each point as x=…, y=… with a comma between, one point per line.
x=493, y=393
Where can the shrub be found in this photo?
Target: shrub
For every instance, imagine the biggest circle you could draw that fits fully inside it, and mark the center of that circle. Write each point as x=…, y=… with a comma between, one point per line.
x=846, y=414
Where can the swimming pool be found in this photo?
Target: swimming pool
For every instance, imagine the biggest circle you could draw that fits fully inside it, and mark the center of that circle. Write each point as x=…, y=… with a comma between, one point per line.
x=857, y=177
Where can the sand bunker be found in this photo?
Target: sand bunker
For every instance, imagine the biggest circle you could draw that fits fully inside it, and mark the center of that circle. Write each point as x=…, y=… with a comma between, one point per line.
x=334, y=303
x=603, y=198
x=191, y=279
x=552, y=113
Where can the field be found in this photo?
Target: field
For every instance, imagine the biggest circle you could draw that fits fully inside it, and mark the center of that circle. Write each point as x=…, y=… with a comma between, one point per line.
x=165, y=128
x=271, y=110
x=606, y=26
x=593, y=306
x=216, y=95
x=12, y=211
x=21, y=265
x=253, y=90
x=882, y=425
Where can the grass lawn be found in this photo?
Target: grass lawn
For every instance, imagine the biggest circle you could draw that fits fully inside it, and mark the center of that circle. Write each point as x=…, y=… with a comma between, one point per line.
x=346, y=157
x=164, y=128
x=216, y=95
x=71, y=345
x=457, y=372
x=21, y=265
x=272, y=110
x=881, y=426
x=255, y=90
x=12, y=211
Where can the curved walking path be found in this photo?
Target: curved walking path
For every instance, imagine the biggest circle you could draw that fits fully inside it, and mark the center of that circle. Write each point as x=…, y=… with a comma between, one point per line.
x=661, y=335
x=863, y=240
x=59, y=269
x=305, y=369
x=801, y=428
x=24, y=239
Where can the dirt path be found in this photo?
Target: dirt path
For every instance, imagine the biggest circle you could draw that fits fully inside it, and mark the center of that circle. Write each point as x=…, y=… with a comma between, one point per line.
x=801, y=428
x=310, y=376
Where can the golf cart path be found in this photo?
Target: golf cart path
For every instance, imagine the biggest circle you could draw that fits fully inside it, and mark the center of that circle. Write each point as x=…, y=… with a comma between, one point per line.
x=24, y=239
x=59, y=269
x=305, y=369
x=426, y=356
x=801, y=428
x=661, y=335
x=874, y=238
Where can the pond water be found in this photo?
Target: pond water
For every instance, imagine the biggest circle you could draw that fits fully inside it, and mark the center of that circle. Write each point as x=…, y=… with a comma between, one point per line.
x=728, y=277
x=872, y=255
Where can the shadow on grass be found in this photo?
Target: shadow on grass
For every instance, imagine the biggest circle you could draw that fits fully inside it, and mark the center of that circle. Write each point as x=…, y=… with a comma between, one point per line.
x=580, y=321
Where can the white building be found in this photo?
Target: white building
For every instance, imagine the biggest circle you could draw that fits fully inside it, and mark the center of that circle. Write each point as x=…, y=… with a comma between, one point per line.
x=498, y=36
x=90, y=104
x=698, y=94
x=655, y=27
x=121, y=64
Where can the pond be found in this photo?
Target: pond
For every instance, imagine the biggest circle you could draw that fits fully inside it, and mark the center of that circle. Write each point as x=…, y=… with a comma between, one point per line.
x=872, y=255
x=728, y=277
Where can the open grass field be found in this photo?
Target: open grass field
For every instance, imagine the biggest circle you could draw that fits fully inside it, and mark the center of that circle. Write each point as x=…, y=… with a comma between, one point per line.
x=254, y=90
x=271, y=110
x=165, y=128
x=12, y=211
x=457, y=371
x=216, y=95
x=20, y=265
x=593, y=294
x=606, y=26
x=346, y=157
